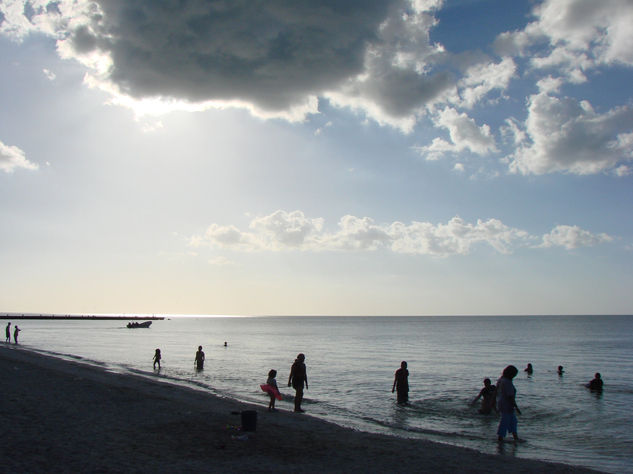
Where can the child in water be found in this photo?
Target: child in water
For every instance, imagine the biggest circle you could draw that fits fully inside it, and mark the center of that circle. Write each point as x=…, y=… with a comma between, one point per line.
x=488, y=396
x=272, y=382
x=157, y=359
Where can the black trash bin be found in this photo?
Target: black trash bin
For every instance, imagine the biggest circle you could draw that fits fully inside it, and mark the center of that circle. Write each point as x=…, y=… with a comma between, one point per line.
x=249, y=420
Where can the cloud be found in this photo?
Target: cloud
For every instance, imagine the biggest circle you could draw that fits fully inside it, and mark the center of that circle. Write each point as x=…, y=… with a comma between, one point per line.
x=480, y=79
x=573, y=237
x=286, y=231
x=11, y=157
x=464, y=134
x=578, y=35
x=565, y=135
x=274, y=58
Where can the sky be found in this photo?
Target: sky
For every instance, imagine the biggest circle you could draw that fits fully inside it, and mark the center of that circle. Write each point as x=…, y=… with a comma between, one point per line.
x=391, y=157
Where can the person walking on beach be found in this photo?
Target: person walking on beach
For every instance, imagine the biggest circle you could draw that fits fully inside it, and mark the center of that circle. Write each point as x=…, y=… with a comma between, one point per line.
x=157, y=358
x=16, y=331
x=8, y=339
x=401, y=383
x=506, y=403
x=199, y=359
x=488, y=398
x=298, y=377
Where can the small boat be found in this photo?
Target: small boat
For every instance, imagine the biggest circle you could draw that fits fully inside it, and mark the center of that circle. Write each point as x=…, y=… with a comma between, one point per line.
x=134, y=324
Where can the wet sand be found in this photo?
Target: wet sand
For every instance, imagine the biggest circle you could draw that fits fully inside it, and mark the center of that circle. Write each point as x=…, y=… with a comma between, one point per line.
x=69, y=417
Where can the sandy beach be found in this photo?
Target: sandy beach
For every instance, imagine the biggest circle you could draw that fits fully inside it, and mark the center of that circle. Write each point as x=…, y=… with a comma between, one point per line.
x=64, y=416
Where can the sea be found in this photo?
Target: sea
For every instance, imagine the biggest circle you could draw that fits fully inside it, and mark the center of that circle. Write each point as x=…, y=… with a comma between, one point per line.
x=351, y=363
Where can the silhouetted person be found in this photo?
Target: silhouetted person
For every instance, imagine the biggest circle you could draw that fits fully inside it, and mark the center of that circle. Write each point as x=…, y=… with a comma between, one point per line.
x=273, y=383
x=226, y=344
x=199, y=359
x=506, y=403
x=401, y=383
x=488, y=398
x=16, y=331
x=529, y=369
x=8, y=339
x=596, y=384
x=157, y=358
x=298, y=377
x=560, y=370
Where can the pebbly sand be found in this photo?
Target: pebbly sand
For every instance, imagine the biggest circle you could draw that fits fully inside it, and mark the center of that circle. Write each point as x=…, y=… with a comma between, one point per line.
x=59, y=416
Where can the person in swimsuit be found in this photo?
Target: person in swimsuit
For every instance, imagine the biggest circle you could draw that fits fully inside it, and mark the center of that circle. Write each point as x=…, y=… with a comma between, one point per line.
x=199, y=359
x=298, y=377
x=157, y=358
x=401, y=383
x=488, y=398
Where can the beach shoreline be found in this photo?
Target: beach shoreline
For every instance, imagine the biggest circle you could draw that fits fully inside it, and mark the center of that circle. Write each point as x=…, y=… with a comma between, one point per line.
x=67, y=416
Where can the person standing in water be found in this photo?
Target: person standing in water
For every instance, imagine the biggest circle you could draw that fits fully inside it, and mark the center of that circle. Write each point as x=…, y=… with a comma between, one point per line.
x=529, y=369
x=506, y=403
x=596, y=384
x=157, y=358
x=298, y=377
x=8, y=339
x=16, y=331
x=401, y=383
x=199, y=359
x=487, y=394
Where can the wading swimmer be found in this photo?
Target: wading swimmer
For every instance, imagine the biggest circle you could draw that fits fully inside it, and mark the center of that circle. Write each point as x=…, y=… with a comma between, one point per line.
x=401, y=383
x=488, y=396
x=199, y=360
x=506, y=403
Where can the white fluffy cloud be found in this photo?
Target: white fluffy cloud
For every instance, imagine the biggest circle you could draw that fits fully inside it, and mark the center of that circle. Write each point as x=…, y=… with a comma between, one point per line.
x=283, y=230
x=581, y=34
x=573, y=237
x=564, y=135
x=465, y=135
x=11, y=157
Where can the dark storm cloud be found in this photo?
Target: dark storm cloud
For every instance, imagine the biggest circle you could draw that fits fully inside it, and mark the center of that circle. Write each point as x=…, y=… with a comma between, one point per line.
x=272, y=53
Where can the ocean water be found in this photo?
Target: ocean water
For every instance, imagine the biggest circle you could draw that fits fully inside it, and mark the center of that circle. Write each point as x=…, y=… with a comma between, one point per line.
x=351, y=363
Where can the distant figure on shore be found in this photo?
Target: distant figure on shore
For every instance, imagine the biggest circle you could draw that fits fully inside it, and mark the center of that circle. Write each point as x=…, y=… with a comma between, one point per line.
x=298, y=377
x=157, y=358
x=560, y=370
x=199, y=359
x=506, y=403
x=226, y=344
x=16, y=331
x=401, y=383
x=273, y=390
x=8, y=339
x=488, y=398
x=529, y=369
x=596, y=384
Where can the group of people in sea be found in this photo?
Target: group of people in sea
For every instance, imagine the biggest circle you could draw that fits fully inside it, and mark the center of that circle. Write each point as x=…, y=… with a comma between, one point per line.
x=16, y=332
x=502, y=398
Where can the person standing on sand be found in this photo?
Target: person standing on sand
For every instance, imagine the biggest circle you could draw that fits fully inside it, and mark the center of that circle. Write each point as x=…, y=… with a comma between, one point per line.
x=506, y=403
x=157, y=358
x=16, y=331
x=401, y=383
x=298, y=377
x=199, y=359
x=8, y=339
